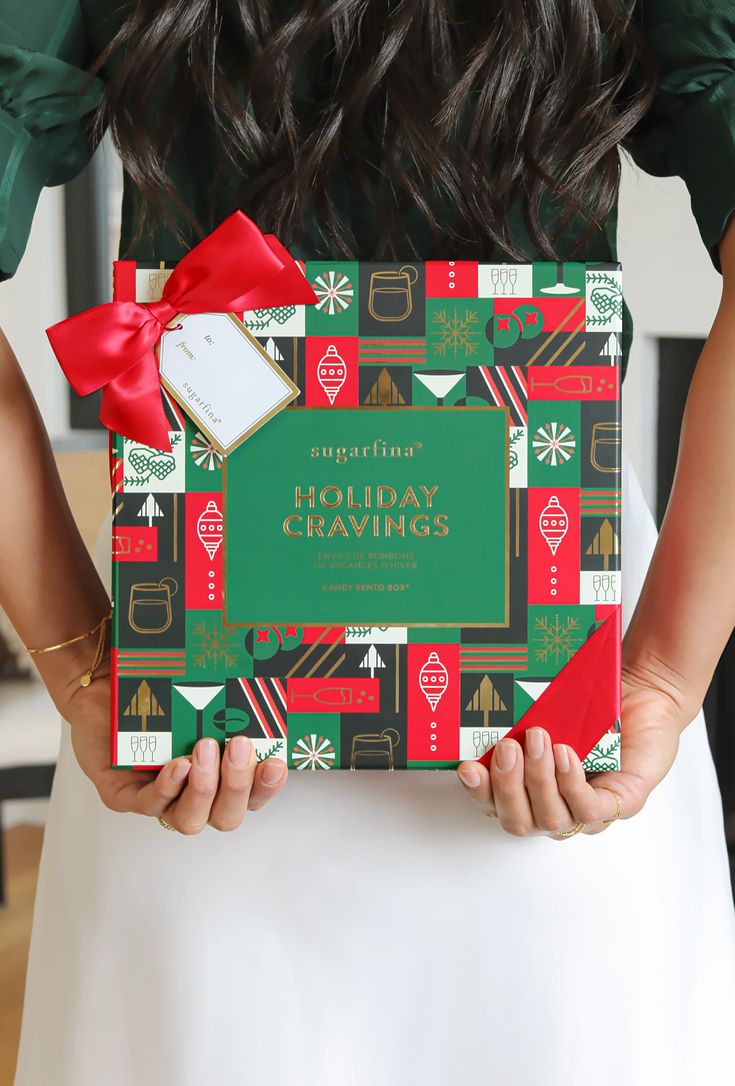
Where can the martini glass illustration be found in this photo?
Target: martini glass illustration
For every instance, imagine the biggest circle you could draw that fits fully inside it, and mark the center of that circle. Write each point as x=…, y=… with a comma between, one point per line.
x=199, y=696
x=559, y=287
x=439, y=383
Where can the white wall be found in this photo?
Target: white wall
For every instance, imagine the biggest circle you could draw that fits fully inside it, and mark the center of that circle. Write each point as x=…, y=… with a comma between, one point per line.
x=672, y=290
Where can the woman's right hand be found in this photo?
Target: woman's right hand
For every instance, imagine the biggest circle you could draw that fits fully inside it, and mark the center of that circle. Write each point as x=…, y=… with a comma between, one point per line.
x=190, y=793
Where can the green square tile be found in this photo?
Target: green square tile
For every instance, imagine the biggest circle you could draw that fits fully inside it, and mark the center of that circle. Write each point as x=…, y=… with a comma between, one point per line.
x=336, y=286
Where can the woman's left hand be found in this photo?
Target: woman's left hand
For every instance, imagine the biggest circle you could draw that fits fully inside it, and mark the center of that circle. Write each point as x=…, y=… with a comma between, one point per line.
x=546, y=791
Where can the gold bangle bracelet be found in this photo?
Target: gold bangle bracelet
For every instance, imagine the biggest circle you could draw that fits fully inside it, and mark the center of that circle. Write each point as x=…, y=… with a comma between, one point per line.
x=71, y=640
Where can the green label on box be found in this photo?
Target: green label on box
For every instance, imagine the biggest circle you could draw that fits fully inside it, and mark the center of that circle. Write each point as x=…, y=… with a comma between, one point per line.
x=359, y=518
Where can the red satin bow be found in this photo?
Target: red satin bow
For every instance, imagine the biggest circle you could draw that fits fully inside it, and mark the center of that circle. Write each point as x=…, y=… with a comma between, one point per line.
x=112, y=346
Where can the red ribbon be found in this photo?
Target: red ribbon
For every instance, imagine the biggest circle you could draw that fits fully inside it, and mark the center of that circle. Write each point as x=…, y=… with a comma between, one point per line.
x=583, y=702
x=112, y=346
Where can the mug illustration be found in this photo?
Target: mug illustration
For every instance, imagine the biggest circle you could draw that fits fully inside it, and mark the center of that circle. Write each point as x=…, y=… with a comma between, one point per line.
x=149, y=610
x=374, y=750
x=390, y=297
x=607, y=439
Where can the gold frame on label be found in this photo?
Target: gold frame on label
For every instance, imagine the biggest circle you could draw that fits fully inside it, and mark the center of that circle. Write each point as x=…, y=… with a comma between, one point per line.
x=293, y=390
x=391, y=625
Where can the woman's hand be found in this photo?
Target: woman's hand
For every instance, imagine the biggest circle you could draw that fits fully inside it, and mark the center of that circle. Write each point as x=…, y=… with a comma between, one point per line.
x=190, y=793
x=546, y=791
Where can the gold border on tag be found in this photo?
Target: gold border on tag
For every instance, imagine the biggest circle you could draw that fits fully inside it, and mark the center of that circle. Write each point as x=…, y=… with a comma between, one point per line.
x=292, y=390
x=289, y=621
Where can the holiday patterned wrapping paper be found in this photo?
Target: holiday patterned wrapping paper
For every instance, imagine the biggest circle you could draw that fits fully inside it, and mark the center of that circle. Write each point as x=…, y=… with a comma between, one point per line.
x=395, y=567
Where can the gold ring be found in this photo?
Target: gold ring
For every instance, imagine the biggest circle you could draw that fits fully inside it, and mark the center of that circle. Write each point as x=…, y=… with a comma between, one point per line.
x=570, y=833
x=165, y=824
x=607, y=821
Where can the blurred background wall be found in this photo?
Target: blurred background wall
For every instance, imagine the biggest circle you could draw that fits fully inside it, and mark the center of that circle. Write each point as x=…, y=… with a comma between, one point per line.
x=673, y=293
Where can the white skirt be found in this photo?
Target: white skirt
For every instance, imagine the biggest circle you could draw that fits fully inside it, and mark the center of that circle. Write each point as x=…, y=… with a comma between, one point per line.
x=374, y=930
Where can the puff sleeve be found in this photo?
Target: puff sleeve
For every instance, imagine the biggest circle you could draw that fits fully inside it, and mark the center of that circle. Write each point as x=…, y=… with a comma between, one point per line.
x=45, y=101
x=690, y=129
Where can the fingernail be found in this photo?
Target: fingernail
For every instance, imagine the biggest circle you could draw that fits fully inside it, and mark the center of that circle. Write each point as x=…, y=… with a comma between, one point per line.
x=561, y=755
x=534, y=743
x=240, y=749
x=469, y=777
x=273, y=770
x=505, y=755
x=206, y=753
x=180, y=770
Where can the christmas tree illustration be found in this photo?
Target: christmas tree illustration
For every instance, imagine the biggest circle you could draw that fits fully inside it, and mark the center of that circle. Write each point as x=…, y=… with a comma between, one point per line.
x=485, y=700
x=144, y=704
x=373, y=660
x=384, y=392
x=605, y=543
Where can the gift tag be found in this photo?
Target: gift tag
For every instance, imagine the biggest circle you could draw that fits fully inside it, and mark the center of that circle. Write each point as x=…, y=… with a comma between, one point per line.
x=224, y=380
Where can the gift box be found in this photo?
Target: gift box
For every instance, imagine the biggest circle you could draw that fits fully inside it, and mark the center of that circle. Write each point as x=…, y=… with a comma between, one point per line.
x=406, y=550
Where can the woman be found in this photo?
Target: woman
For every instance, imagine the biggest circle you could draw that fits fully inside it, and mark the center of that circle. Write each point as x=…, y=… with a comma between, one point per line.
x=371, y=928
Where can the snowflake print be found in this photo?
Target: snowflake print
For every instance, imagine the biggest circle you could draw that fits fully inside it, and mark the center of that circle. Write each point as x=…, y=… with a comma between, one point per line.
x=557, y=640
x=456, y=333
x=334, y=291
x=554, y=443
x=313, y=752
x=204, y=453
x=212, y=647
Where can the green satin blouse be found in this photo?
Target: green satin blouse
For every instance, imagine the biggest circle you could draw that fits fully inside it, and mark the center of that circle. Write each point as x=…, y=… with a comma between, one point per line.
x=46, y=45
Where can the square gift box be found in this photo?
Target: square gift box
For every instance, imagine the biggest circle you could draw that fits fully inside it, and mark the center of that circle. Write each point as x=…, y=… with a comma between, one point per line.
x=415, y=555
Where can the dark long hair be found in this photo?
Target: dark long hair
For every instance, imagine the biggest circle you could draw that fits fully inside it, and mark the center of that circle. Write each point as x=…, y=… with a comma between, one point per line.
x=449, y=110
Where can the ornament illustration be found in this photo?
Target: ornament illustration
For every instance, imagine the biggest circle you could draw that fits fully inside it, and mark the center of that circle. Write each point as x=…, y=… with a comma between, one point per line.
x=313, y=752
x=331, y=372
x=204, y=453
x=554, y=443
x=554, y=523
x=209, y=529
x=433, y=680
x=334, y=291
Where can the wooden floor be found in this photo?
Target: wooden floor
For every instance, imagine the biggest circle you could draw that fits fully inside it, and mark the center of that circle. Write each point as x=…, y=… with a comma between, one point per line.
x=22, y=853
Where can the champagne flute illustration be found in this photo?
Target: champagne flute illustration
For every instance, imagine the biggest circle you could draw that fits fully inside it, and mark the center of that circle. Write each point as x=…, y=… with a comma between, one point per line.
x=199, y=695
x=477, y=742
x=152, y=744
x=334, y=696
x=143, y=746
x=572, y=384
x=134, y=744
x=495, y=277
x=512, y=276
